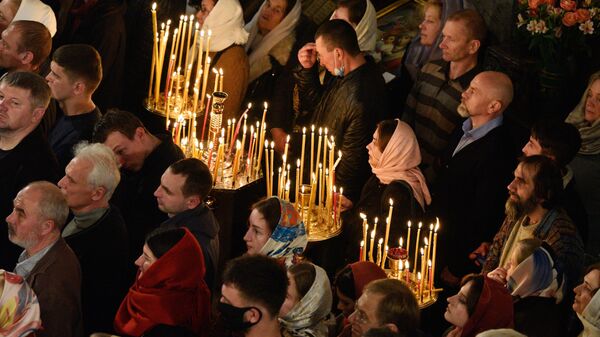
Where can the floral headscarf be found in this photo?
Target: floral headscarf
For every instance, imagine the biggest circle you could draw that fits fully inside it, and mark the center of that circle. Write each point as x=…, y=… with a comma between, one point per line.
x=289, y=237
x=307, y=317
x=19, y=307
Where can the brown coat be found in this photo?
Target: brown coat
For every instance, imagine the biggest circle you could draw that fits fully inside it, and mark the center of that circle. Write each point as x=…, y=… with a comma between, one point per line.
x=235, y=66
x=56, y=280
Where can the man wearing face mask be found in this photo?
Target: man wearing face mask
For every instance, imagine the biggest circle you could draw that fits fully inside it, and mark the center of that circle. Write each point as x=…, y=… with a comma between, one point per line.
x=350, y=104
x=254, y=288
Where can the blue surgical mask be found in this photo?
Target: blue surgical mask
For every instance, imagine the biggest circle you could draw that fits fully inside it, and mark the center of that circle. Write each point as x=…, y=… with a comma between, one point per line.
x=339, y=72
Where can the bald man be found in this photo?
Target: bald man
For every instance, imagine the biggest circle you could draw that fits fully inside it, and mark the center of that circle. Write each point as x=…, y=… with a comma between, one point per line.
x=475, y=171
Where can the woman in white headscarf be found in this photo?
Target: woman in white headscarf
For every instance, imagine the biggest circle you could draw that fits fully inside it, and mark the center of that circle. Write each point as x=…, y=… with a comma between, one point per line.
x=362, y=16
x=225, y=20
x=308, y=304
x=32, y=10
x=276, y=32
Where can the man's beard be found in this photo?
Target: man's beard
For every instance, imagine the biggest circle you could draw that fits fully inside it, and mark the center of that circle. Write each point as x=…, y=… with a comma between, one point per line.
x=462, y=110
x=515, y=209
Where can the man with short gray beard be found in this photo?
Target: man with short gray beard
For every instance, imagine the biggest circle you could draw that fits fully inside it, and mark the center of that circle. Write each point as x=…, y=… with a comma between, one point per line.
x=533, y=210
x=476, y=168
x=47, y=264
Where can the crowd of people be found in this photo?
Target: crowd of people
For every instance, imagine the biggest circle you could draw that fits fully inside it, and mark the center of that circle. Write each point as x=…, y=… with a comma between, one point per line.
x=108, y=229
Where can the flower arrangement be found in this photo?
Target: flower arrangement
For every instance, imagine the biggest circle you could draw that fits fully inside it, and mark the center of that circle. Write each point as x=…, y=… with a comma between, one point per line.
x=555, y=29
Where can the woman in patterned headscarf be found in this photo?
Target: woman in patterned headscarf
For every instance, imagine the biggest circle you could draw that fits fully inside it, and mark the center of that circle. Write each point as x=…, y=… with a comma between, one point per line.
x=275, y=230
x=19, y=307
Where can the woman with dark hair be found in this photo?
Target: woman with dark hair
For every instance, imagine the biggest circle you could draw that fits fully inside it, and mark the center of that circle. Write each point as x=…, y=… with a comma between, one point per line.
x=349, y=284
x=169, y=293
x=308, y=302
x=362, y=16
x=275, y=230
x=587, y=302
x=481, y=304
x=394, y=157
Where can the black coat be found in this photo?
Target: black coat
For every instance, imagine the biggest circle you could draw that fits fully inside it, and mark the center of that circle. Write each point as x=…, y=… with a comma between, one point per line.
x=202, y=223
x=350, y=106
x=103, y=253
x=135, y=194
x=374, y=202
x=470, y=196
x=540, y=317
x=29, y=161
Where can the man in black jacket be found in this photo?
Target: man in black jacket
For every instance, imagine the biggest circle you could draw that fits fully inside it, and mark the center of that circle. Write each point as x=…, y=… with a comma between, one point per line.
x=97, y=233
x=183, y=189
x=143, y=158
x=471, y=190
x=349, y=105
x=25, y=155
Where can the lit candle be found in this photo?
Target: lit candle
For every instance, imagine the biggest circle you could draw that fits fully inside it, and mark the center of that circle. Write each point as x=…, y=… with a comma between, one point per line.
x=365, y=226
x=430, y=279
x=417, y=247
x=262, y=135
x=297, y=190
x=362, y=247
x=408, y=240
x=236, y=162
x=337, y=161
x=272, y=165
x=376, y=220
x=287, y=145
x=388, y=222
x=400, y=242
x=312, y=148
x=379, y=251
x=216, y=72
x=437, y=226
x=267, y=169
x=210, y=151
x=182, y=41
x=422, y=272
x=428, y=253
x=302, y=155
x=319, y=148
x=407, y=271
x=419, y=287
x=424, y=259
x=319, y=183
x=372, y=243
x=228, y=131
x=385, y=254
x=325, y=139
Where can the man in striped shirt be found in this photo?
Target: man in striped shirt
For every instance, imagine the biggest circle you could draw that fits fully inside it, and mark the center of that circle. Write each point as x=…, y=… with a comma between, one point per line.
x=431, y=105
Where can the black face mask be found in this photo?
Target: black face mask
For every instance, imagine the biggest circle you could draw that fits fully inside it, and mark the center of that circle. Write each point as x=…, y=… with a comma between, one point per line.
x=233, y=317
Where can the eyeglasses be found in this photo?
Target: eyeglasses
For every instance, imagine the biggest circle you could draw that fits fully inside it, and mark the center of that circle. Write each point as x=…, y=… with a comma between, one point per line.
x=360, y=316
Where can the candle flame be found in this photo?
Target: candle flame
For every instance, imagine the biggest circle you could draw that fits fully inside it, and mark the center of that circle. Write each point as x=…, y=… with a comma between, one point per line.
x=406, y=264
x=341, y=190
x=185, y=19
x=229, y=122
x=238, y=145
x=409, y=224
x=419, y=276
x=428, y=263
x=249, y=105
x=426, y=241
x=266, y=143
x=420, y=224
x=210, y=145
x=298, y=162
x=214, y=70
x=362, y=243
x=304, y=130
x=431, y=227
x=221, y=71
x=422, y=251
x=363, y=216
x=376, y=219
x=287, y=140
x=302, y=188
x=202, y=33
x=197, y=25
x=313, y=128
x=209, y=33
x=320, y=131
x=326, y=131
x=372, y=234
x=153, y=6
x=380, y=241
x=391, y=202
x=401, y=241
x=266, y=105
x=272, y=145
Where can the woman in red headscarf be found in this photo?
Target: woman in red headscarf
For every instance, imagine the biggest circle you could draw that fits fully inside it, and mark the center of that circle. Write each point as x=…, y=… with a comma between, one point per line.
x=481, y=304
x=170, y=293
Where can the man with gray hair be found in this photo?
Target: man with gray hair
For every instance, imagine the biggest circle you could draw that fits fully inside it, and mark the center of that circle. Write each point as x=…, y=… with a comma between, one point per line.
x=90, y=180
x=47, y=263
x=25, y=155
